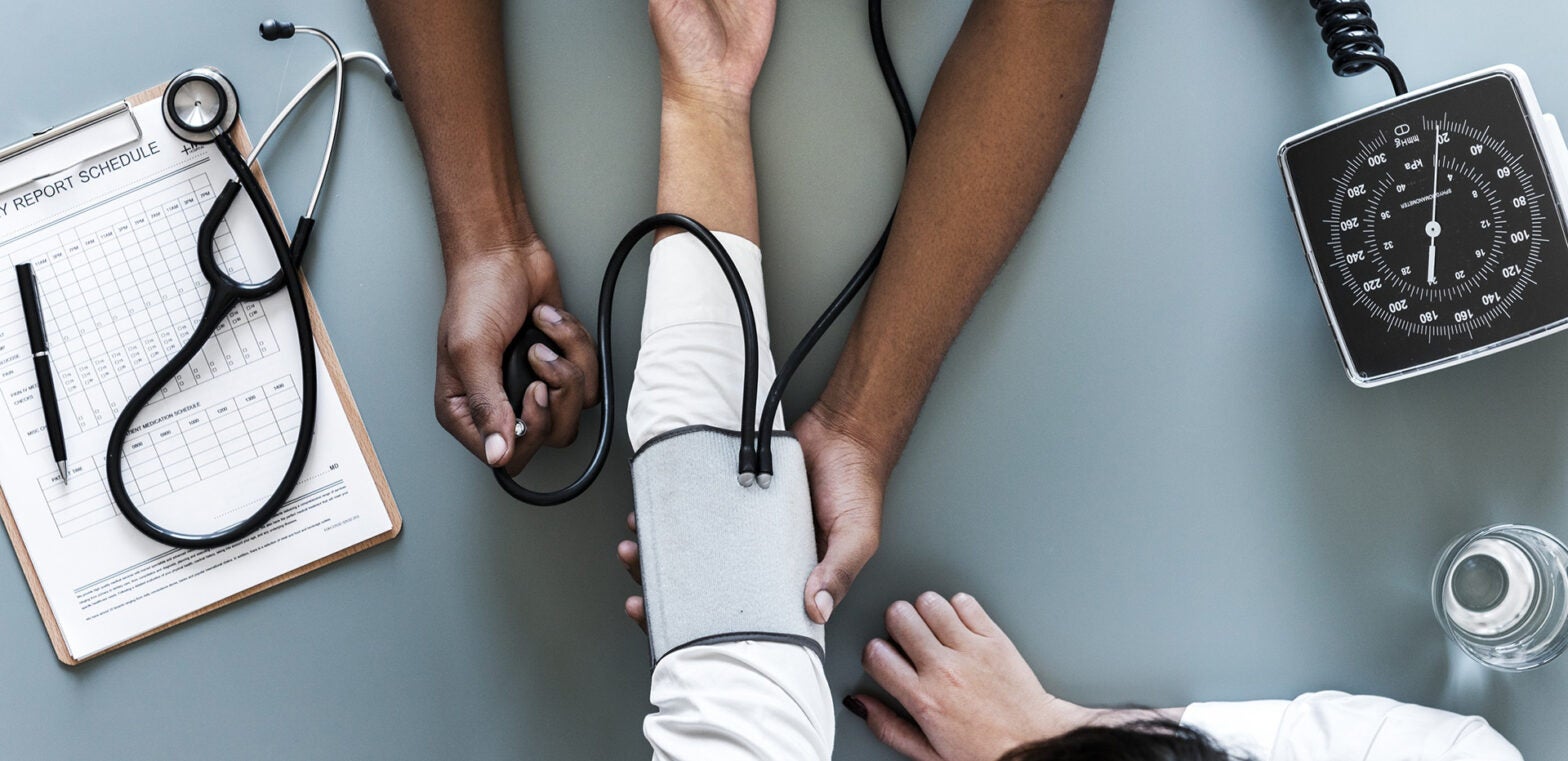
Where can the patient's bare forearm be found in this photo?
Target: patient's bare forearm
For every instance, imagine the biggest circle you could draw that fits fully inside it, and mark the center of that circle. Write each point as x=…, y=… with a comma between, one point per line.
x=998, y=121
x=705, y=165
x=450, y=63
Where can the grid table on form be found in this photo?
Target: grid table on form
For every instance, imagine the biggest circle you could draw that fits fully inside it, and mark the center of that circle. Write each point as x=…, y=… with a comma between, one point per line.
x=116, y=307
x=180, y=452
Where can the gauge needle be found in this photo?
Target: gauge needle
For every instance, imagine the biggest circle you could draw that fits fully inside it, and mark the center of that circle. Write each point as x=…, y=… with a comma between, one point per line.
x=1432, y=227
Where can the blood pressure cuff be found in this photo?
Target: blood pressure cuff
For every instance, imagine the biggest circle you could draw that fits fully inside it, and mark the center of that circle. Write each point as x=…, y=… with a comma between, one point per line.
x=722, y=562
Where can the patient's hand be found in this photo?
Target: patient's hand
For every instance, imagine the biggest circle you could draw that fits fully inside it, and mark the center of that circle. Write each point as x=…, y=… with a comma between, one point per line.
x=970, y=693
x=631, y=559
x=710, y=51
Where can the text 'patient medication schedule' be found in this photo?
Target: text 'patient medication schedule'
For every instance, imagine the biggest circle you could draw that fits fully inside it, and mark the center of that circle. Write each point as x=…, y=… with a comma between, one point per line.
x=113, y=242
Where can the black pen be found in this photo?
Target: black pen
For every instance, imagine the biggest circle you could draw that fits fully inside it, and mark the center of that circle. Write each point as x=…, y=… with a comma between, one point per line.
x=39, y=339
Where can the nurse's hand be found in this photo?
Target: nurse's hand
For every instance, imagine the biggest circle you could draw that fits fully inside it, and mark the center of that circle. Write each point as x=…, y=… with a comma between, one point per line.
x=969, y=694
x=488, y=295
x=847, y=481
x=848, y=478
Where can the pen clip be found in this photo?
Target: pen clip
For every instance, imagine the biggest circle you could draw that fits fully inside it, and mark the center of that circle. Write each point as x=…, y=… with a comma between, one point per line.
x=38, y=298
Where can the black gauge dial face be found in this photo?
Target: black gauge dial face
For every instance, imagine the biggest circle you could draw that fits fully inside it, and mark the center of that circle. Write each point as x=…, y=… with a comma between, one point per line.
x=1433, y=227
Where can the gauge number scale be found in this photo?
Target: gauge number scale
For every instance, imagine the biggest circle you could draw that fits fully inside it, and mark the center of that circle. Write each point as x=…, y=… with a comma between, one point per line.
x=1432, y=226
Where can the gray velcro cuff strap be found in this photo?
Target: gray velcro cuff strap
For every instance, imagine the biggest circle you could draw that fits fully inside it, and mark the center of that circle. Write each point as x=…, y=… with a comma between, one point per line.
x=722, y=562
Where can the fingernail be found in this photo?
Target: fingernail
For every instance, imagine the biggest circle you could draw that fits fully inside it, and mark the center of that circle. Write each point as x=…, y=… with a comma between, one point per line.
x=855, y=706
x=544, y=352
x=549, y=314
x=495, y=448
x=542, y=395
x=824, y=602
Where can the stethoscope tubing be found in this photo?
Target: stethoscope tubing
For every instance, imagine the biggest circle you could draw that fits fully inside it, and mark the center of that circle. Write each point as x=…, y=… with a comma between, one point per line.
x=225, y=293
x=337, y=114
x=299, y=96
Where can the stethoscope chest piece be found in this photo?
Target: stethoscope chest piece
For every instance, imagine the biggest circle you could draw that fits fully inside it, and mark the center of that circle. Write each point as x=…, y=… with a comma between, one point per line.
x=199, y=104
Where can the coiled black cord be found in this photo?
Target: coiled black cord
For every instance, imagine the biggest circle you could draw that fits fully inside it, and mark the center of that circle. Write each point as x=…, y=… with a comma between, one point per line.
x=756, y=447
x=1353, y=41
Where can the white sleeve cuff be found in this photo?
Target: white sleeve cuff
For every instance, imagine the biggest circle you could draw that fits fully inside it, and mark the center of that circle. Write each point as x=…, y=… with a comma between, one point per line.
x=693, y=357
x=743, y=701
x=686, y=285
x=1371, y=728
x=1251, y=728
x=1334, y=725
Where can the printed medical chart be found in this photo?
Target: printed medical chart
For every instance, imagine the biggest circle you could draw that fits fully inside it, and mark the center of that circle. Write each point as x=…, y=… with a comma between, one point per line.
x=113, y=243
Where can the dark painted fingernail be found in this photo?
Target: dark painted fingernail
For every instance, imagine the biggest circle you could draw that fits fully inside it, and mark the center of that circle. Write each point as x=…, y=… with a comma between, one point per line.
x=855, y=706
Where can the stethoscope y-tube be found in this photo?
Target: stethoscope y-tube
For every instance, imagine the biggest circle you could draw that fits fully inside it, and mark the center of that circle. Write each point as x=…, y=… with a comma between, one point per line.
x=756, y=449
x=225, y=294
x=199, y=121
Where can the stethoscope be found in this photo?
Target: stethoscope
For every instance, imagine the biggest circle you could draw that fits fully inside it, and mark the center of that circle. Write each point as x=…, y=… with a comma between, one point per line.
x=199, y=106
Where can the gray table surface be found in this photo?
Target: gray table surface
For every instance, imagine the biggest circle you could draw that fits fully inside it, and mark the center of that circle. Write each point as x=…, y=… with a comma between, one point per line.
x=1142, y=454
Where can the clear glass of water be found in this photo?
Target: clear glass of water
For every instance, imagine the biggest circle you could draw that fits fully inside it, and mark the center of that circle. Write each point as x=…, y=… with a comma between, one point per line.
x=1501, y=594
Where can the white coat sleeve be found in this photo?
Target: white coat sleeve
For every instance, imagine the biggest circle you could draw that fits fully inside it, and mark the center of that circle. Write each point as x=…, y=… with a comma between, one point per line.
x=1330, y=726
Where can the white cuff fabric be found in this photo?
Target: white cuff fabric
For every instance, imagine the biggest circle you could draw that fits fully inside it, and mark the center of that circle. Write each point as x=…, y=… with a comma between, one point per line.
x=747, y=701
x=693, y=354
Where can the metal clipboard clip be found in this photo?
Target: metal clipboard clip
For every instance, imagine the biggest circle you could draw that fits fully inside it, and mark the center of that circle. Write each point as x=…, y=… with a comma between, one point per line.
x=65, y=146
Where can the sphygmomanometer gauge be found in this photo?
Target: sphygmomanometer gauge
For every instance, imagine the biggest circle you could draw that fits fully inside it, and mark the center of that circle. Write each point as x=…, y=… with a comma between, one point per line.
x=1433, y=224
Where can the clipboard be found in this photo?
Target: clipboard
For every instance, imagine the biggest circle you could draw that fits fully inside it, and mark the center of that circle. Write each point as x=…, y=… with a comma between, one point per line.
x=39, y=157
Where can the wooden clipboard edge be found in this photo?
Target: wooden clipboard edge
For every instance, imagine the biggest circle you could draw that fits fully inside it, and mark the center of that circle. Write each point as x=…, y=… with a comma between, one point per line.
x=329, y=358
x=50, y=624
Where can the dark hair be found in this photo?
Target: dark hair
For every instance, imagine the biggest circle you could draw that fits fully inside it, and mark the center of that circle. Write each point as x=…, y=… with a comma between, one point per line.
x=1147, y=740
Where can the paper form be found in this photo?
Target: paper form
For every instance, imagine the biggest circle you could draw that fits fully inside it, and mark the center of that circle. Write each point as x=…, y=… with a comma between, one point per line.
x=113, y=243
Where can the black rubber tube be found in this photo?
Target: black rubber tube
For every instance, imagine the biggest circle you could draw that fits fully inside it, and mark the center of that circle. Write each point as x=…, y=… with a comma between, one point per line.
x=612, y=272
x=755, y=448
x=224, y=295
x=906, y=120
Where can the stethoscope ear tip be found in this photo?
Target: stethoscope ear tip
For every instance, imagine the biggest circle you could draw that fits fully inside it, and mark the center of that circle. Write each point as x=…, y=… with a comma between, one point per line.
x=397, y=92
x=273, y=29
